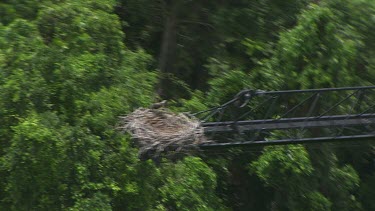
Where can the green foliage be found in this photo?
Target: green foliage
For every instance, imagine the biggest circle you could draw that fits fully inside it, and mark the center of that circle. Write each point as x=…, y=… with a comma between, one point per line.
x=189, y=185
x=23, y=87
x=98, y=202
x=345, y=180
x=316, y=201
x=296, y=181
x=322, y=48
x=66, y=75
x=283, y=161
x=35, y=161
x=226, y=86
x=25, y=9
x=290, y=172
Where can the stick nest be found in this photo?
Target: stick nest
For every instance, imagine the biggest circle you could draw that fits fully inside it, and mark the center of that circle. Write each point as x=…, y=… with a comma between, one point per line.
x=158, y=130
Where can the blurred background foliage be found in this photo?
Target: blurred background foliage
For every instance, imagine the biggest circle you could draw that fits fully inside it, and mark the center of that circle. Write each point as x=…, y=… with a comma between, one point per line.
x=69, y=68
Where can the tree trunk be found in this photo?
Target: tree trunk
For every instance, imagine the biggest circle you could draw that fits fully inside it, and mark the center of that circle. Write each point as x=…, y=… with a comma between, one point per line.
x=168, y=46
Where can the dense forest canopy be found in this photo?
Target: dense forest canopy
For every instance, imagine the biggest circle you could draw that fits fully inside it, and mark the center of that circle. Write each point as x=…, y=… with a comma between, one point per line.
x=70, y=68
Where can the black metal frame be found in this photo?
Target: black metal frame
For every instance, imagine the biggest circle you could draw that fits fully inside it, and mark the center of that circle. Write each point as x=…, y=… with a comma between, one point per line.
x=370, y=137
x=289, y=123
x=363, y=118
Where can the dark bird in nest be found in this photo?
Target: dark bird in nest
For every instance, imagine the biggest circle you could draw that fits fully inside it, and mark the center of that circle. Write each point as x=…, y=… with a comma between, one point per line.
x=158, y=105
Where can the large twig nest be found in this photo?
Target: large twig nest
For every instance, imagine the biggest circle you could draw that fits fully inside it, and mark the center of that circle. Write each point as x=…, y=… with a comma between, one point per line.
x=159, y=129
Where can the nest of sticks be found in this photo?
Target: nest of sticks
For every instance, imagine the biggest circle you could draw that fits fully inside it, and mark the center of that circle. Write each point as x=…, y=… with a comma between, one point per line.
x=160, y=130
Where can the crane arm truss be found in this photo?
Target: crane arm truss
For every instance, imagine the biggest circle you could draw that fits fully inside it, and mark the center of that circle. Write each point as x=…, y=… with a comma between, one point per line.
x=257, y=117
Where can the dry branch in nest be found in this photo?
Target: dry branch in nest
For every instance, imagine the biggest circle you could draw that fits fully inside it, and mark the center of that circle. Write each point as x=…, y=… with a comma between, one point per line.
x=157, y=130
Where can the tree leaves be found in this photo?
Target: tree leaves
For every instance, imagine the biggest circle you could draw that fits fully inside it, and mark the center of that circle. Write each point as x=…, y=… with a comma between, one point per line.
x=66, y=75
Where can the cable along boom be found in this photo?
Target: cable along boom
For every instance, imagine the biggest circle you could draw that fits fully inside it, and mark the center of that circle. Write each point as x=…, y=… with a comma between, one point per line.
x=257, y=117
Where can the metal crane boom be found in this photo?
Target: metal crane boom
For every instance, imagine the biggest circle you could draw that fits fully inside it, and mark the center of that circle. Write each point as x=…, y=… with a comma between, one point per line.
x=313, y=115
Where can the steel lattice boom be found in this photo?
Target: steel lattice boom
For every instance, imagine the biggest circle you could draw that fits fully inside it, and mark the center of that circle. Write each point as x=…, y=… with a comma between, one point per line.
x=257, y=117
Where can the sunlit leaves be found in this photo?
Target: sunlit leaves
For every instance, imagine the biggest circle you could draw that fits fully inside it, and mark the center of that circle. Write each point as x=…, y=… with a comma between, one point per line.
x=188, y=185
x=293, y=163
x=322, y=48
x=37, y=153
